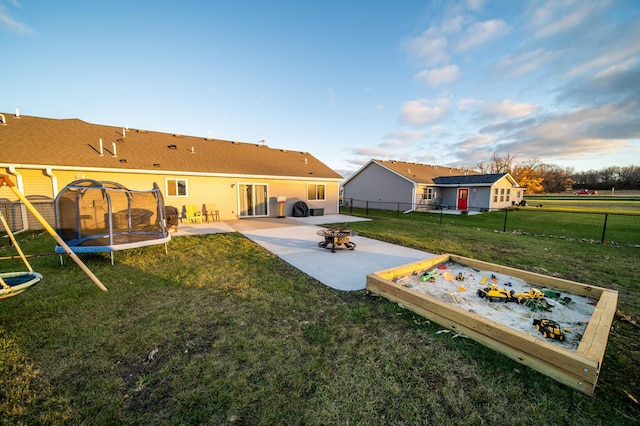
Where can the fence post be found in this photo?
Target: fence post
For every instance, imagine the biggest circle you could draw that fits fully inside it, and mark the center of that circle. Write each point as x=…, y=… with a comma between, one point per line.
x=398, y=215
x=366, y=210
x=504, y=228
x=604, y=227
x=441, y=214
x=351, y=206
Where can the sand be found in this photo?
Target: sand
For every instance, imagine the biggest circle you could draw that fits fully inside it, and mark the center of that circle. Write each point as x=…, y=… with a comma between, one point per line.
x=572, y=317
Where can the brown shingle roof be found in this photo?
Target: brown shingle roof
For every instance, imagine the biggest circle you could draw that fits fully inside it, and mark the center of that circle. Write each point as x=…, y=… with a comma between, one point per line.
x=421, y=173
x=71, y=142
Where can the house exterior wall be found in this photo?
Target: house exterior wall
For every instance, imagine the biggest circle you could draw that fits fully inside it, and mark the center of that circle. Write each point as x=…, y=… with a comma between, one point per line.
x=479, y=197
x=503, y=193
x=297, y=190
x=449, y=197
x=41, y=188
x=382, y=188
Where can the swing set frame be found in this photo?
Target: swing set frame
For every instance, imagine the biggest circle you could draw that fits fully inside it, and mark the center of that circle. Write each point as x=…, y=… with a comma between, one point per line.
x=9, y=290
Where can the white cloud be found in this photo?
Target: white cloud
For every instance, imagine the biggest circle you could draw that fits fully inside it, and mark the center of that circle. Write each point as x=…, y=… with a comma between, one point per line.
x=405, y=135
x=439, y=76
x=516, y=65
x=476, y=142
x=581, y=133
x=453, y=26
x=556, y=17
x=464, y=104
x=475, y=4
x=614, y=59
x=509, y=109
x=12, y=25
x=481, y=32
x=373, y=153
x=431, y=47
x=424, y=111
x=401, y=139
x=618, y=68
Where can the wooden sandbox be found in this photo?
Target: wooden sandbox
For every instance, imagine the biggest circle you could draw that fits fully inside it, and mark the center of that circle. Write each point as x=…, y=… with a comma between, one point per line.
x=578, y=369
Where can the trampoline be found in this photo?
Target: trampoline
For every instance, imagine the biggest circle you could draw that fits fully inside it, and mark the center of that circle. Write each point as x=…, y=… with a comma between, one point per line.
x=100, y=217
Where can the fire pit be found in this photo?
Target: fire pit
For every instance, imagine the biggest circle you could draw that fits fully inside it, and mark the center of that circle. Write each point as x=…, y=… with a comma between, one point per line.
x=336, y=236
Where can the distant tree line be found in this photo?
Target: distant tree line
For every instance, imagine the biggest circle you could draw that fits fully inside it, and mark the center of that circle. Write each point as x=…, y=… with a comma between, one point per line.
x=539, y=177
x=617, y=177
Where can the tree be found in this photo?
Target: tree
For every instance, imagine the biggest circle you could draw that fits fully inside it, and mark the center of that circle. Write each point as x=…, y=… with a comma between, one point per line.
x=609, y=177
x=529, y=175
x=498, y=164
x=555, y=178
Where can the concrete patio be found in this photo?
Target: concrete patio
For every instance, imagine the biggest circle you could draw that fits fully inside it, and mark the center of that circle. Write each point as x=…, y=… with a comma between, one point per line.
x=295, y=240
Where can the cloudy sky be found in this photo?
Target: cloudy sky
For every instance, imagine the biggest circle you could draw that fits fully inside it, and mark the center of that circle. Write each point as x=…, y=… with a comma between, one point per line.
x=434, y=82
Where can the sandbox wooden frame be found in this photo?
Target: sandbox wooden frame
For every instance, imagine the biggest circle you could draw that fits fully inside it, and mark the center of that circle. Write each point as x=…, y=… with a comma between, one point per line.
x=578, y=369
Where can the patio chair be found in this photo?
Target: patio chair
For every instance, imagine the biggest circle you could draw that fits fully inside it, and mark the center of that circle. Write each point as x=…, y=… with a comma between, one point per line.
x=211, y=212
x=193, y=214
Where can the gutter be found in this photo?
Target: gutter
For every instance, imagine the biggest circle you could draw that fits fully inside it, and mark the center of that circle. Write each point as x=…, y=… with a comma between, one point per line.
x=165, y=172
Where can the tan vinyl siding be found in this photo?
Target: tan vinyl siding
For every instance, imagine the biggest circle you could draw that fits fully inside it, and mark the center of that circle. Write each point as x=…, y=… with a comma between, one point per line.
x=38, y=190
x=506, y=193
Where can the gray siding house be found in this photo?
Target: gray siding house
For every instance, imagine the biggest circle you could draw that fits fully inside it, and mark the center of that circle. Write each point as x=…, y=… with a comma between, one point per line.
x=407, y=186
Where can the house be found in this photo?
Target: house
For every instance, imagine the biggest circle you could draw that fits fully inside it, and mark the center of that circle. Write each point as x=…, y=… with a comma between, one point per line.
x=399, y=185
x=242, y=180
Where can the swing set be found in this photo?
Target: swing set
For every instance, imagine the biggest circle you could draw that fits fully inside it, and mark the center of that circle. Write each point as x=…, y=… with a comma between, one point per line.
x=14, y=283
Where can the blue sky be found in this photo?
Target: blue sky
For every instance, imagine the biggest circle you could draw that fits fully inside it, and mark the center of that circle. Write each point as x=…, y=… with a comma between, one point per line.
x=434, y=82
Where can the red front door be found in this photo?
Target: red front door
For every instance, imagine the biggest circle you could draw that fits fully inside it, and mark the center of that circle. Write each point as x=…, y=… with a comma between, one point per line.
x=463, y=198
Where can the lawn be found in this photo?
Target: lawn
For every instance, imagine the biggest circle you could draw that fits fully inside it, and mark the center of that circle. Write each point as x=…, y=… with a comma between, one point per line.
x=613, y=226
x=627, y=203
x=221, y=331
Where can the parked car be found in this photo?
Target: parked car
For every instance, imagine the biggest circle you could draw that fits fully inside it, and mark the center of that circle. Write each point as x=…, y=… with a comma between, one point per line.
x=586, y=192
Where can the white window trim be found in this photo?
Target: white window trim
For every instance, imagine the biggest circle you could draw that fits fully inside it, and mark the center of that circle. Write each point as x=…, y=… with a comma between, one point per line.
x=316, y=185
x=186, y=187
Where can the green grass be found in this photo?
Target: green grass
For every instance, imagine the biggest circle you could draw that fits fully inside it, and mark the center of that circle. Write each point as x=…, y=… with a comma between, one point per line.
x=221, y=331
x=593, y=203
x=621, y=228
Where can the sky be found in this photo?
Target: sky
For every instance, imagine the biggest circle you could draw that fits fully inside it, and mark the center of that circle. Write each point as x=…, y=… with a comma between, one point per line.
x=439, y=82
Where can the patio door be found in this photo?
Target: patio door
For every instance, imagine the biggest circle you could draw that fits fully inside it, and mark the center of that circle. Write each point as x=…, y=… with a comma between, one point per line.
x=253, y=200
x=463, y=198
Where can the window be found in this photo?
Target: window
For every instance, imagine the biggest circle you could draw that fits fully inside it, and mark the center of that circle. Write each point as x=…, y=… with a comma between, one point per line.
x=508, y=194
x=495, y=195
x=315, y=191
x=176, y=187
x=428, y=194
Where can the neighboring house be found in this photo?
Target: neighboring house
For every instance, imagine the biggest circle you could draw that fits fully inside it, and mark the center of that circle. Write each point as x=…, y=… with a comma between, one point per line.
x=411, y=186
x=42, y=155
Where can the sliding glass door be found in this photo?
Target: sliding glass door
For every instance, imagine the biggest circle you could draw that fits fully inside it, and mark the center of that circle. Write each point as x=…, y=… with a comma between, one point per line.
x=254, y=200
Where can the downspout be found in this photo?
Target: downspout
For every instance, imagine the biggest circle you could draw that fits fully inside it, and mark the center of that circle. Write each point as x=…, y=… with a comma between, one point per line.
x=54, y=181
x=23, y=209
x=413, y=199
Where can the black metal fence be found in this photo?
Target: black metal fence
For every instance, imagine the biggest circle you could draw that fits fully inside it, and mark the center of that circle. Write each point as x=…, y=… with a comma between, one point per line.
x=596, y=227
